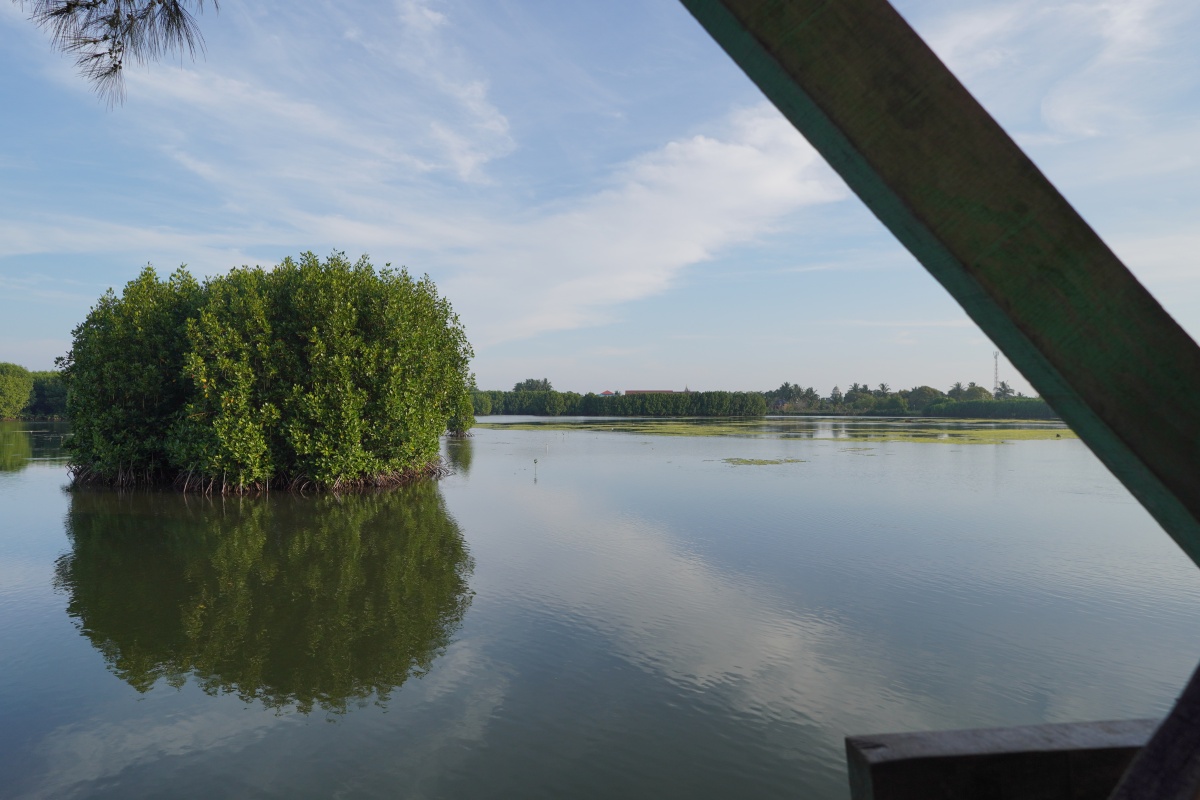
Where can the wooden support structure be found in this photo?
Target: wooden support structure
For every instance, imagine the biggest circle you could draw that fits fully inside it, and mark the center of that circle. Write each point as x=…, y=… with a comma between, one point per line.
x=1073, y=761
x=951, y=185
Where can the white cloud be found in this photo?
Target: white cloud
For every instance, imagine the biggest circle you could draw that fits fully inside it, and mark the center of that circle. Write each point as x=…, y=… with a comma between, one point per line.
x=206, y=253
x=1103, y=96
x=515, y=274
x=479, y=132
x=1085, y=69
x=672, y=614
x=1110, y=87
x=664, y=211
x=399, y=100
x=412, y=130
x=420, y=16
x=1162, y=259
x=975, y=40
x=86, y=753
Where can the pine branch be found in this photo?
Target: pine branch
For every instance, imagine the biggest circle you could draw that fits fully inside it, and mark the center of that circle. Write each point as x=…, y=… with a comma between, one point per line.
x=102, y=34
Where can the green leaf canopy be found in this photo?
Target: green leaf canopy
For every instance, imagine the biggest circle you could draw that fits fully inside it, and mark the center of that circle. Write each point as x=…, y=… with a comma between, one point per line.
x=326, y=374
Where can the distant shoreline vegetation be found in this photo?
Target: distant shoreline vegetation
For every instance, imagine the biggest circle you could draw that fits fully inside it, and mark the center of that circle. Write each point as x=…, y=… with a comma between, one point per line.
x=1012, y=408
x=536, y=397
x=549, y=403
x=26, y=394
x=958, y=402
x=310, y=375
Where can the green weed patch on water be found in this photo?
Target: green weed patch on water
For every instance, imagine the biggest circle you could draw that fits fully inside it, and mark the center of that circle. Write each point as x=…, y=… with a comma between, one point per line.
x=761, y=462
x=846, y=431
x=933, y=435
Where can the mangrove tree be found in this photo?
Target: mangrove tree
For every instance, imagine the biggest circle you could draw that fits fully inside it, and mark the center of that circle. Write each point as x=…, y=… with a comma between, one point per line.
x=311, y=374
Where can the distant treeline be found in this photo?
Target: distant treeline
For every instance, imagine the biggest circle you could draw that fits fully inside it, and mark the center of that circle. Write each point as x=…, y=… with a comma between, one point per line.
x=42, y=395
x=549, y=403
x=537, y=397
x=962, y=402
x=1012, y=408
x=31, y=395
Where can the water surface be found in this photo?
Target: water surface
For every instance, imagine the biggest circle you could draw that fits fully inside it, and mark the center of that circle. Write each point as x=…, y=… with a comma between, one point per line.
x=579, y=612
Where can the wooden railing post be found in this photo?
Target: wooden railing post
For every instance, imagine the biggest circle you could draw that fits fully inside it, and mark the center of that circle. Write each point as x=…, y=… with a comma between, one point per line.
x=954, y=188
x=943, y=176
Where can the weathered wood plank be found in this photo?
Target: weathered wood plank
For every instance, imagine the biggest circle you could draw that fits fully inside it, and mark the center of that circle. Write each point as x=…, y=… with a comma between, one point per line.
x=1168, y=768
x=1074, y=761
x=943, y=176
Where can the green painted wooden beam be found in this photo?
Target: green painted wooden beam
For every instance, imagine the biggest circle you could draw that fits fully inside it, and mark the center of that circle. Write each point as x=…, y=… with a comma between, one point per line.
x=952, y=186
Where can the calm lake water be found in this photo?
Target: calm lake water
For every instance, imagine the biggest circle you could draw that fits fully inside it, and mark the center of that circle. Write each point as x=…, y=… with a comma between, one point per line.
x=609, y=609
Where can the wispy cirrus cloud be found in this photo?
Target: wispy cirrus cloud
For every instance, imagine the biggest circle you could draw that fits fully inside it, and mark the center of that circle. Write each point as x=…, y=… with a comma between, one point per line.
x=392, y=91
x=677, y=206
x=512, y=273
x=912, y=323
x=1062, y=70
x=1102, y=96
x=571, y=166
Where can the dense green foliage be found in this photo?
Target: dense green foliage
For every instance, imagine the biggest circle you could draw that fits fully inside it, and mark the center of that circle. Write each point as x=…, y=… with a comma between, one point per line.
x=328, y=374
x=49, y=396
x=969, y=392
x=297, y=602
x=860, y=399
x=16, y=384
x=534, y=385
x=481, y=403
x=959, y=401
x=25, y=394
x=653, y=404
x=1015, y=408
x=922, y=397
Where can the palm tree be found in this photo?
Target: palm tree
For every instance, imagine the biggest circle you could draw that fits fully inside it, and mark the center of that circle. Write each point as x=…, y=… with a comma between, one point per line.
x=104, y=33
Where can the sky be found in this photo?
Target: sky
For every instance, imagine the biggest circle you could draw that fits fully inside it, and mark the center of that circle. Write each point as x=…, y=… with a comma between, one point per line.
x=604, y=198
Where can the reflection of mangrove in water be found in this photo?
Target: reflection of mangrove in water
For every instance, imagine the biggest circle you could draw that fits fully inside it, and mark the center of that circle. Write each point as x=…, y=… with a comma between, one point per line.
x=459, y=451
x=22, y=442
x=16, y=446
x=296, y=602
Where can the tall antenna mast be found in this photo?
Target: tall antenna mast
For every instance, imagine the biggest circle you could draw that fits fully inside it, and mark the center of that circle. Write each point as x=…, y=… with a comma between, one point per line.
x=996, y=373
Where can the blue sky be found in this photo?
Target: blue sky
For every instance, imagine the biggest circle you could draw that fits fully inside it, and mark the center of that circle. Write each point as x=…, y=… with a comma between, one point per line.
x=602, y=195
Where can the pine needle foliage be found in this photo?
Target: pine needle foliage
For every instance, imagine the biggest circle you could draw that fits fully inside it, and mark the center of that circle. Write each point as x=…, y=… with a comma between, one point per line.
x=104, y=34
x=322, y=375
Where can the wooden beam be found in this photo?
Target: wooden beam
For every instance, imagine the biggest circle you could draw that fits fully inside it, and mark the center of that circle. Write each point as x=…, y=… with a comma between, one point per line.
x=1168, y=768
x=1074, y=761
x=943, y=176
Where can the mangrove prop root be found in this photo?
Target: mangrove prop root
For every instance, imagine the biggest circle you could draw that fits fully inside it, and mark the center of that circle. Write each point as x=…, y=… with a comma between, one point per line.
x=190, y=482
